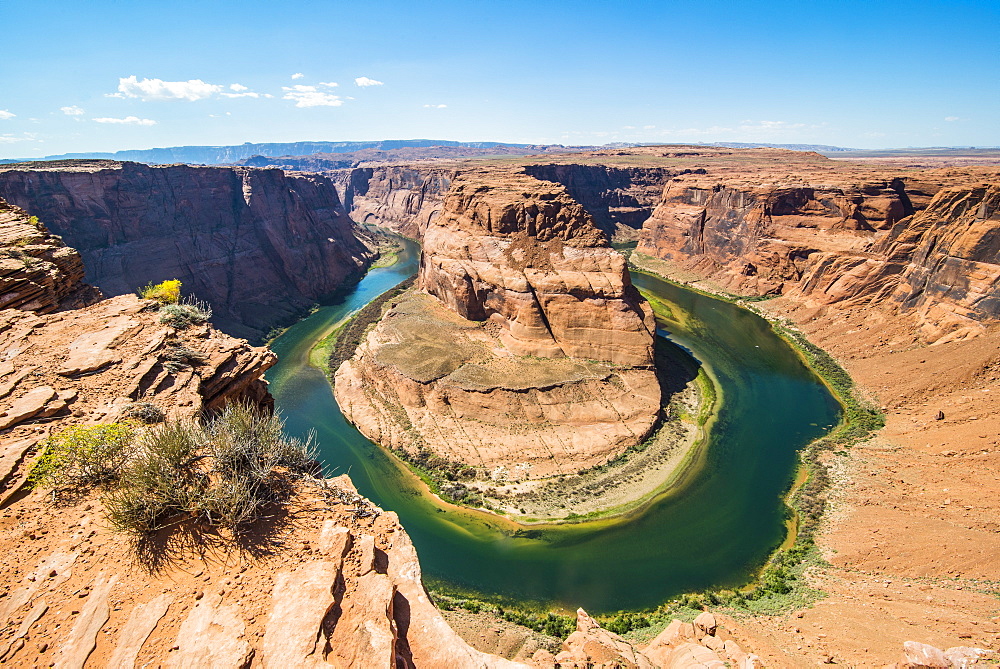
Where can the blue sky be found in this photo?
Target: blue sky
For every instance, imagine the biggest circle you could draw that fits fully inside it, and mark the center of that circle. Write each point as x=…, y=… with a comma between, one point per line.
x=104, y=76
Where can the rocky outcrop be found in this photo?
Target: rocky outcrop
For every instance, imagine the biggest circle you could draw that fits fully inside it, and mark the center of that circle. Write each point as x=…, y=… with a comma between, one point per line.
x=760, y=239
x=524, y=255
x=258, y=245
x=619, y=199
x=38, y=272
x=942, y=265
x=535, y=358
x=401, y=198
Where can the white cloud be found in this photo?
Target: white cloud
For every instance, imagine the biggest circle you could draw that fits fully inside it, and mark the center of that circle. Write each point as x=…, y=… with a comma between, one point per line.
x=72, y=111
x=248, y=94
x=298, y=75
x=128, y=120
x=648, y=127
x=11, y=139
x=365, y=81
x=157, y=89
x=4, y=115
x=309, y=96
x=436, y=106
x=329, y=84
x=239, y=88
x=951, y=118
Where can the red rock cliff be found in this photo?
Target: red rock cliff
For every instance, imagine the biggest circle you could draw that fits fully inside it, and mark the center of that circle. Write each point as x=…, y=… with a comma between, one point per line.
x=522, y=253
x=258, y=245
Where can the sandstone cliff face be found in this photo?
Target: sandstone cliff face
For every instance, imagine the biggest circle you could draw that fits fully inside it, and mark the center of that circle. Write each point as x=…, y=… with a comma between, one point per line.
x=619, y=199
x=942, y=265
x=38, y=272
x=522, y=254
x=402, y=198
x=518, y=269
x=258, y=245
x=760, y=239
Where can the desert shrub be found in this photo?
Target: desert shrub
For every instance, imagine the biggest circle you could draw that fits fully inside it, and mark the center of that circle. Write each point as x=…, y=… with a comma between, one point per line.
x=177, y=356
x=222, y=474
x=144, y=412
x=83, y=456
x=165, y=292
x=185, y=313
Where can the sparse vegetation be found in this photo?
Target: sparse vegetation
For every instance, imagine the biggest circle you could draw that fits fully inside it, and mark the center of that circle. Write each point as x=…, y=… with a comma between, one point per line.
x=165, y=292
x=144, y=412
x=185, y=313
x=83, y=456
x=220, y=474
x=342, y=343
x=177, y=356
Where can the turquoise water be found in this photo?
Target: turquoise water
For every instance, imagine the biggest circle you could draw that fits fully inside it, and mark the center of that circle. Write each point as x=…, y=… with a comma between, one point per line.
x=714, y=531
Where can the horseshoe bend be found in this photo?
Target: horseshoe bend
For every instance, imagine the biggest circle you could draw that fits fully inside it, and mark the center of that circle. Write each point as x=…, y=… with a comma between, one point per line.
x=523, y=373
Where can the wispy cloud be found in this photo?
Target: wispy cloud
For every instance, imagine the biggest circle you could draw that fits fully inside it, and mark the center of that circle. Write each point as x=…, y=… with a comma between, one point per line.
x=298, y=75
x=329, y=84
x=13, y=139
x=951, y=119
x=158, y=89
x=4, y=115
x=310, y=96
x=436, y=106
x=365, y=82
x=128, y=120
x=72, y=110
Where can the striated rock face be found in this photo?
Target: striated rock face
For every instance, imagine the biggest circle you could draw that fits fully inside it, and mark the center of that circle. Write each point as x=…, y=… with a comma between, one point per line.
x=523, y=254
x=619, y=199
x=942, y=265
x=535, y=359
x=402, y=198
x=760, y=239
x=38, y=272
x=258, y=245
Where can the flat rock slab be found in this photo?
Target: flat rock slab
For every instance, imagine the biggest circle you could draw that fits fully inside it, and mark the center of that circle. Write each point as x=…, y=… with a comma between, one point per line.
x=37, y=611
x=93, y=350
x=300, y=601
x=140, y=625
x=12, y=454
x=27, y=406
x=365, y=633
x=82, y=640
x=212, y=636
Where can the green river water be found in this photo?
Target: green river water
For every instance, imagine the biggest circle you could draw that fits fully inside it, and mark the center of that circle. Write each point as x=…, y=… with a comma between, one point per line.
x=715, y=530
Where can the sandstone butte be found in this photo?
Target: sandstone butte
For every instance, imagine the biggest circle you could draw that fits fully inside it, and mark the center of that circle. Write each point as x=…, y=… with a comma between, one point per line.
x=910, y=542
x=524, y=350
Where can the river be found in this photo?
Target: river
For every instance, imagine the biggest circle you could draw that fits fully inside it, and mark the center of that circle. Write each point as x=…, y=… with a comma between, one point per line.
x=715, y=530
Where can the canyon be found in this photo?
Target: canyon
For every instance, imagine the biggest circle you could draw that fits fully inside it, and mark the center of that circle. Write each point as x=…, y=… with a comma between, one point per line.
x=258, y=245
x=892, y=269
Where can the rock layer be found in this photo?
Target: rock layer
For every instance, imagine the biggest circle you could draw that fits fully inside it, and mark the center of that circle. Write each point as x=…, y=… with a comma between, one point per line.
x=523, y=254
x=401, y=198
x=942, y=265
x=535, y=359
x=38, y=272
x=258, y=245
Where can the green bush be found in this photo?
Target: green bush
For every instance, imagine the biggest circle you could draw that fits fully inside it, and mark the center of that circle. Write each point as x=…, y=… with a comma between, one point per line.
x=83, y=456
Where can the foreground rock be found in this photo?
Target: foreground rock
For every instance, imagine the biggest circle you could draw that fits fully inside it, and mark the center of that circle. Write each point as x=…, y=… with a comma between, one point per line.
x=530, y=353
x=258, y=245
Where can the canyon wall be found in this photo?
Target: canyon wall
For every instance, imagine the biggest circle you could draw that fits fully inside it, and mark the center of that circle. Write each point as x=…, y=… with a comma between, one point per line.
x=942, y=265
x=527, y=354
x=258, y=245
x=402, y=198
x=618, y=198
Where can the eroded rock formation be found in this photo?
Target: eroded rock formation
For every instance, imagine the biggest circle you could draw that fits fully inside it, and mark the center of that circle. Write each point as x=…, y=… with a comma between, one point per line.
x=38, y=272
x=401, y=198
x=535, y=358
x=258, y=245
x=942, y=265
